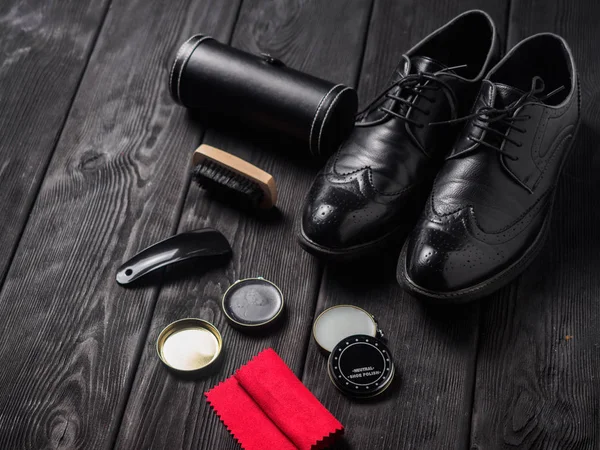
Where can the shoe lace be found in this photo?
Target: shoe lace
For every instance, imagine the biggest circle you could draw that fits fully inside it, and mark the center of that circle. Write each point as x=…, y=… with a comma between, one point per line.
x=499, y=121
x=416, y=86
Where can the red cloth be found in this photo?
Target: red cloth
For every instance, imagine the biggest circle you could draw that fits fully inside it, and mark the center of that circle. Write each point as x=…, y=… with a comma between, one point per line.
x=265, y=406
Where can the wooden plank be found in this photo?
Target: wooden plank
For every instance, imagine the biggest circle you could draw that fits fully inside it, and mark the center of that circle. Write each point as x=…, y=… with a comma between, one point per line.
x=45, y=47
x=71, y=336
x=539, y=355
x=322, y=38
x=429, y=404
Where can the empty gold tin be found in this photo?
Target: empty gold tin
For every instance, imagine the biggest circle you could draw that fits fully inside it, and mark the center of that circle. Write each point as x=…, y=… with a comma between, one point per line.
x=189, y=346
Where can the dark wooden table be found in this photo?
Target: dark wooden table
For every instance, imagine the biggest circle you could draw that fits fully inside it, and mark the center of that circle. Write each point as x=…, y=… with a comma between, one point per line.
x=94, y=162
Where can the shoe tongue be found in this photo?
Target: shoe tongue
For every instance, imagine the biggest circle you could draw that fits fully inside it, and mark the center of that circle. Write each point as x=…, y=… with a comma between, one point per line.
x=506, y=95
x=419, y=64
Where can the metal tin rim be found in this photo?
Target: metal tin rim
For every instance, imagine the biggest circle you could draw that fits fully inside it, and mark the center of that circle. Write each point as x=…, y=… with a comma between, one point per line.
x=174, y=326
x=339, y=306
x=246, y=325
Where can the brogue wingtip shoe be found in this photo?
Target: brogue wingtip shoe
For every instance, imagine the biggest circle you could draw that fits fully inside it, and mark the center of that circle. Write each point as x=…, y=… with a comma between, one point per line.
x=372, y=190
x=490, y=207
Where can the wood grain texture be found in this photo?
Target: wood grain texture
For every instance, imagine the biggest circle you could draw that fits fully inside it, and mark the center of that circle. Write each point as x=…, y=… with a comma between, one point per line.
x=539, y=358
x=78, y=363
x=43, y=52
x=164, y=410
x=71, y=336
x=429, y=404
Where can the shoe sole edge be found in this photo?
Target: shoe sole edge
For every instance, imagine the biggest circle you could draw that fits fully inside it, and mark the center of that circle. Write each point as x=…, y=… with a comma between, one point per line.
x=348, y=253
x=479, y=290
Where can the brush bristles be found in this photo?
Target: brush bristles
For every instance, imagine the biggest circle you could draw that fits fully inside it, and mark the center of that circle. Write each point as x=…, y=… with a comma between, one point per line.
x=227, y=184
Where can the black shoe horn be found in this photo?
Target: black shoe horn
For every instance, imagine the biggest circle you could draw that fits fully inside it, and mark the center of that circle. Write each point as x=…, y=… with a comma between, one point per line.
x=191, y=244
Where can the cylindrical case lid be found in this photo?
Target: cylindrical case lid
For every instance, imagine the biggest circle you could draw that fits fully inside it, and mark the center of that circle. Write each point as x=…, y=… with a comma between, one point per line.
x=261, y=90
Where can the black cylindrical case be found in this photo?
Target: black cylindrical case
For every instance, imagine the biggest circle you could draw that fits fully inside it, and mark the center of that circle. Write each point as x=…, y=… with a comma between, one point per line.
x=261, y=91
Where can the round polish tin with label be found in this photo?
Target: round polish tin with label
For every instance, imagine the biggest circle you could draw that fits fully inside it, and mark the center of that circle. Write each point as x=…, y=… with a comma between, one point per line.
x=361, y=366
x=252, y=303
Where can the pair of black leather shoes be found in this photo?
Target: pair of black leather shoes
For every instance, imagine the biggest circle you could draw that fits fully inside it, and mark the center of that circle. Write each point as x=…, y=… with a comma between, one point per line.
x=474, y=145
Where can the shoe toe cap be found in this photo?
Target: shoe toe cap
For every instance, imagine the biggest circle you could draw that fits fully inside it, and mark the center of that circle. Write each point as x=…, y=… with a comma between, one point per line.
x=445, y=259
x=339, y=216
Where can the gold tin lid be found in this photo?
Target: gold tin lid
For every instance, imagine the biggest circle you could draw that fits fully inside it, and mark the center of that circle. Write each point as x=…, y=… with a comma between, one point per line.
x=189, y=346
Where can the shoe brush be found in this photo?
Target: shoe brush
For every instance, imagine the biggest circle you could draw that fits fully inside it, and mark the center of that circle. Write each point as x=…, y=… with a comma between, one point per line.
x=233, y=179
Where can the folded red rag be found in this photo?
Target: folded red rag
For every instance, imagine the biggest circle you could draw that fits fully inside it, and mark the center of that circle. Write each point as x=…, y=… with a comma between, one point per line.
x=265, y=406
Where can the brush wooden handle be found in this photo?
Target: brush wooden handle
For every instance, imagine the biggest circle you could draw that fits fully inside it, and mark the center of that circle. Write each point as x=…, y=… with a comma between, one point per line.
x=241, y=167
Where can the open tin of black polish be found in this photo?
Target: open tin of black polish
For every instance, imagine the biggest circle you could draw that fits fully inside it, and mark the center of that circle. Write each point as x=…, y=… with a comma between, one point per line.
x=253, y=304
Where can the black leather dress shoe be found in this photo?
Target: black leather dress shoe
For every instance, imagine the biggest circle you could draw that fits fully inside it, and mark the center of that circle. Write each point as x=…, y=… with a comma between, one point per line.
x=378, y=181
x=490, y=205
